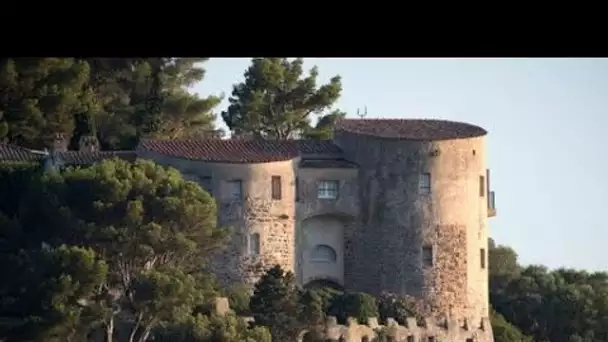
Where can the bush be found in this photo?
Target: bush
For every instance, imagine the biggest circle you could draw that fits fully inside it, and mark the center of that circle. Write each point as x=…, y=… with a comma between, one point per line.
x=239, y=297
x=399, y=308
x=355, y=304
x=505, y=331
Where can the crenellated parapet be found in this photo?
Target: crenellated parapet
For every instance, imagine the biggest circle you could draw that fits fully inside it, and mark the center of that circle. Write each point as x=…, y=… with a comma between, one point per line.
x=413, y=330
x=454, y=330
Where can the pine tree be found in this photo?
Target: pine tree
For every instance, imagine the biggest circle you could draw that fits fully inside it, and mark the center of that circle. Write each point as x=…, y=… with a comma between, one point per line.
x=275, y=101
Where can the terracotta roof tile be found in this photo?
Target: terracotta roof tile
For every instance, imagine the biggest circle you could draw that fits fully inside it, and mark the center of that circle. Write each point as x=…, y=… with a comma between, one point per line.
x=411, y=129
x=10, y=152
x=91, y=157
x=227, y=151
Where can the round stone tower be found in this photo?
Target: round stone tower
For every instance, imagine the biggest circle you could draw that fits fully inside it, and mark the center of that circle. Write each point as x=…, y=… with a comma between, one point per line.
x=261, y=215
x=422, y=229
x=253, y=183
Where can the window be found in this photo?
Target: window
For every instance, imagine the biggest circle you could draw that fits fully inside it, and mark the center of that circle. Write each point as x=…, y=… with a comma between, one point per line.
x=410, y=338
x=276, y=187
x=327, y=189
x=482, y=186
x=470, y=340
x=482, y=255
x=425, y=183
x=234, y=190
x=431, y=339
x=323, y=253
x=427, y=256
x=297, y=184
x=254, y=244
x=206, y=184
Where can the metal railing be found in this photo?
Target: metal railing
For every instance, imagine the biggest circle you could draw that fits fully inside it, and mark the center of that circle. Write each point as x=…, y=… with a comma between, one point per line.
x=491, y=200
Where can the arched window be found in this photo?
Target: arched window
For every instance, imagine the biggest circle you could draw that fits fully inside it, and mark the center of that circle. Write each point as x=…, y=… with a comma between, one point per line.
x=323, y=253
x=254, y=244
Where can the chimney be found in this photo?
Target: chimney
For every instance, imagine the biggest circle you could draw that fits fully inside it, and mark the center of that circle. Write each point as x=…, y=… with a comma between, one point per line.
x=88, y=143
x=60, y=143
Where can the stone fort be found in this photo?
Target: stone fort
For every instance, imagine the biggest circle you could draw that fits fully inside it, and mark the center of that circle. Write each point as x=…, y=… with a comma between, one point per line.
x=396, y=205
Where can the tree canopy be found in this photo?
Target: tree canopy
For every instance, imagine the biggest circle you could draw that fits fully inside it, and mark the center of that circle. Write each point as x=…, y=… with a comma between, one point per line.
x=119, y=99
x=122, y=242
x=276, y=101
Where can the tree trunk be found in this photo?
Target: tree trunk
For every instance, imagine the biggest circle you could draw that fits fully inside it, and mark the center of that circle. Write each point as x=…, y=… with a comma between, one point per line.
x=110, y=330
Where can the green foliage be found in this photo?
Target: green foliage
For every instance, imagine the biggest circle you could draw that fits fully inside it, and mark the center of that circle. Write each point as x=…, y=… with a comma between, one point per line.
x=275, y=101
x=353, y=304
x=275, y=304
x=54, y=287
x=41, y=96
x=398, y=308
x=312, y=314
x=119, y=99
x=558, y=305
x=153, y=229
x=213, y=328
x=505, y=331
x=324, y=128
x=15, y=181
x=239, y=297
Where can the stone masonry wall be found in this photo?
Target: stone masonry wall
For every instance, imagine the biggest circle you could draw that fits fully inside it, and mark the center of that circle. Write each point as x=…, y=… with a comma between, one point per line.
x=384, y=250
x=257, y=212
x=464, y=330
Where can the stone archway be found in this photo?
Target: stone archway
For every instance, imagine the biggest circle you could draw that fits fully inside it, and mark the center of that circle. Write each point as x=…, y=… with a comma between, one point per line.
x=324, y=283
x=321, y=248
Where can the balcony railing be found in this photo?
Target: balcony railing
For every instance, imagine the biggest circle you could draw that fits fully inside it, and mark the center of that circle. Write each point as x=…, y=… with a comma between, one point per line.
x=491, y=204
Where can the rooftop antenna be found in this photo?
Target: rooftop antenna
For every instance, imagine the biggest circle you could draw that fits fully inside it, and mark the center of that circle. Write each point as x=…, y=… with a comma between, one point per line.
x=362, y=115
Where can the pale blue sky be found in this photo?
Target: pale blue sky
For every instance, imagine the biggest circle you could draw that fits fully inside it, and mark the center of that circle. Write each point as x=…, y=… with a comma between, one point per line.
x=547, y=121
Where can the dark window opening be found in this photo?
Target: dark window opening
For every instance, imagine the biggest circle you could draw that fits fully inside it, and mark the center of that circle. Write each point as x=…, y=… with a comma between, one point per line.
x=427, y=256
x=425, y=184
x=297, y=189
x=482, y=186
x=482, y=255
x=254, y=244
x=276, y=187
x=235, y=190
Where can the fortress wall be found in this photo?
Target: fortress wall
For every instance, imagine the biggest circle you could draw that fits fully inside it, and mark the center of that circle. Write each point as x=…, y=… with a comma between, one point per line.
x=453, y=330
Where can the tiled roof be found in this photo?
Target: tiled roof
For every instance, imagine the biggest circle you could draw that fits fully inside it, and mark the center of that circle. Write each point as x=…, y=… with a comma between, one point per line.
x=90, y=157
x=15, y=153
x=10, y=152
x=317, y=147
x=227, y=151
x=411, y=129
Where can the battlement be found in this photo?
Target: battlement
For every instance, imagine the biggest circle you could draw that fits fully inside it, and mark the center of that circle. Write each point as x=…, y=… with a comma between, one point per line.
x=426, y=330
x=429, y=330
